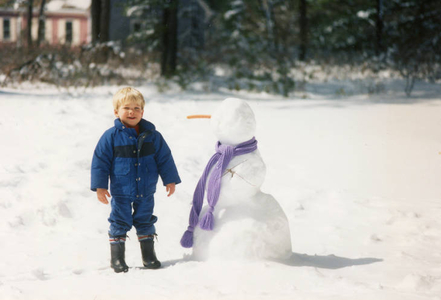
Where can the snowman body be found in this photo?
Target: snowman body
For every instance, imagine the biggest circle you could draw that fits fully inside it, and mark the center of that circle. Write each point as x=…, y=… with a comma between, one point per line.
x=248, y=224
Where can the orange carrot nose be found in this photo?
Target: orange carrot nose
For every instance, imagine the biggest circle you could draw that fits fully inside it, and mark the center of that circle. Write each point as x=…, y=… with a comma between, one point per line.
x=199, y=117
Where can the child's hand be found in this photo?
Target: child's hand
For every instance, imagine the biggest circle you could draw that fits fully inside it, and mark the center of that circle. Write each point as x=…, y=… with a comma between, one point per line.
x=101, y=195
x=170, y=188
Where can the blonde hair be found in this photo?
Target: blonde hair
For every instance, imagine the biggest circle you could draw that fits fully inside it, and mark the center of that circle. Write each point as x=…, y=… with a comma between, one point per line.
x=128, y=95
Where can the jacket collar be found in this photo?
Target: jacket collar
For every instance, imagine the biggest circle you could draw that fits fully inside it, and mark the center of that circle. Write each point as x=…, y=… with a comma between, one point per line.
x=144, y=125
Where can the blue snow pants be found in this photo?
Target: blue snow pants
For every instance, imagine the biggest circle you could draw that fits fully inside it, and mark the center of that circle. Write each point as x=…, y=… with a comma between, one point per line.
x=128, y=212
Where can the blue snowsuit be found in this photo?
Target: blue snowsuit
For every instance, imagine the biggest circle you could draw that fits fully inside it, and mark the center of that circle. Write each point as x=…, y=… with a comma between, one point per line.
x=133, y=163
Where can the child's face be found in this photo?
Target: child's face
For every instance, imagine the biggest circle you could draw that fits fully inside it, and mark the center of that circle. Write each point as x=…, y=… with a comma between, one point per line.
x=130, y=114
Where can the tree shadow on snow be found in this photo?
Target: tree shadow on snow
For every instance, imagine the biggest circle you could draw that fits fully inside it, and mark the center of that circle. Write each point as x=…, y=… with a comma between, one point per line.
x=326, y=262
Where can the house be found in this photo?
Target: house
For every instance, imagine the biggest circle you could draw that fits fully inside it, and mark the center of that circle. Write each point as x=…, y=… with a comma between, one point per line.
x=64, y=24
x=69, y=22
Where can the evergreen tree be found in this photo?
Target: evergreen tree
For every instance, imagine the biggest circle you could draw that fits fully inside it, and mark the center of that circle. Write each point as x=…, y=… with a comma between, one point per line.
x=414, y=39
x=159, y=31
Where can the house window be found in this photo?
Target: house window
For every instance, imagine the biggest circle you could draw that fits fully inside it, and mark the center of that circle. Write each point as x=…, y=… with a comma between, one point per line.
x=69, y=32
x=6, y=29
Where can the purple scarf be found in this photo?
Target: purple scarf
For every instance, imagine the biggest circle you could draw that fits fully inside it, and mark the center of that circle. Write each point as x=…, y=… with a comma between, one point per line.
x=219, y=161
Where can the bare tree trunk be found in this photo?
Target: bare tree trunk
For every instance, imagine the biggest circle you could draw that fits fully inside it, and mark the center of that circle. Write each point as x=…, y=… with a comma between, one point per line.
x=96, y=20
x=104, y=21
x=29, y=19
x=170, y=39
x=379, y=26
x=303, y=29
x=41, y=23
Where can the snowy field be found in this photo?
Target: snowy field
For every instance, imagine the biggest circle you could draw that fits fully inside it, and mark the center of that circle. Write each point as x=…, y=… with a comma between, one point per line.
x=358, y=178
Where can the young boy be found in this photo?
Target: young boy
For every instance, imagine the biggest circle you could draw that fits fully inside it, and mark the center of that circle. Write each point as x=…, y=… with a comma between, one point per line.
x=132, y=154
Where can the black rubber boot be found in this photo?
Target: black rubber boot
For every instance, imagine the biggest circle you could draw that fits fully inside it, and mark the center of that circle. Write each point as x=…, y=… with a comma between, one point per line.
x=117, y=254
x=148, y=254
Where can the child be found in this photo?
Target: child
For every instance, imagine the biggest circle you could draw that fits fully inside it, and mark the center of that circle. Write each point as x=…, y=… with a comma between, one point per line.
x=132, y=154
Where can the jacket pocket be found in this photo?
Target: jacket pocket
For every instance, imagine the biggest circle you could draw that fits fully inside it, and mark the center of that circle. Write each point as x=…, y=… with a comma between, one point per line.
x=120, y=183
x=121, y=169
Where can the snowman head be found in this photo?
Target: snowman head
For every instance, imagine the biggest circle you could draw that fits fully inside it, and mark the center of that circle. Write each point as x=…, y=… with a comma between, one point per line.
x=233, y=122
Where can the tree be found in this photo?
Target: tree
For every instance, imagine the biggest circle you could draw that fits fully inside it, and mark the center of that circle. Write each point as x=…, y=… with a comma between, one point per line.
x=414, y=40
x=29, y=23
x=100, y=13
x=169, y=38
x=95, y=16
x=41, y=23
x=104, y=21
x=303, y=26
x=159, y=31
x=379, y=26
x=267, y=7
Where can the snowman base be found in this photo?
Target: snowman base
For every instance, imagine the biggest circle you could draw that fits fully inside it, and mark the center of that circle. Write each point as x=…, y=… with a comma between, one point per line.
x=246, y=232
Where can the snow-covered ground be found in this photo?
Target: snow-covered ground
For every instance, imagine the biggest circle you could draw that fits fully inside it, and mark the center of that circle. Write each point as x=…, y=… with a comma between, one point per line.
x=358, y=178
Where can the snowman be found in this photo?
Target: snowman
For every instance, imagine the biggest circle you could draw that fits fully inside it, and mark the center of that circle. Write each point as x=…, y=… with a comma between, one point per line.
x=238, y=220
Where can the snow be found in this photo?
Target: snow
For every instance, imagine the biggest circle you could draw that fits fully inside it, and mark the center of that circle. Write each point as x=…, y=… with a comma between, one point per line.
x=357, y=177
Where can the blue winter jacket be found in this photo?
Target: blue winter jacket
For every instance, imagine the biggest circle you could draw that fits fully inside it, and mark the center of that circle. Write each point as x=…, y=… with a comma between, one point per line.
x=132, y=162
